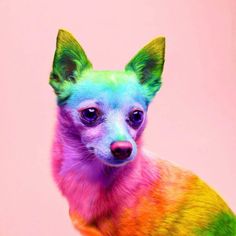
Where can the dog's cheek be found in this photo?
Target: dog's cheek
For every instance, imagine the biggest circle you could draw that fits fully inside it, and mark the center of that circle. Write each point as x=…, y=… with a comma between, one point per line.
x=139, y=132
x=92, y=134
x=133, y=133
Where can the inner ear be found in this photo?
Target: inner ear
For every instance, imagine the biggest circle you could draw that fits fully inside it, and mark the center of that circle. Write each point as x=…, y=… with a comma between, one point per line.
x=147, y=69
x=69, y=69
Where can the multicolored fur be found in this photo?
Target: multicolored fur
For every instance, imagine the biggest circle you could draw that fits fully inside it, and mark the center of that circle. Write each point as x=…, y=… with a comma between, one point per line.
x=122, y=194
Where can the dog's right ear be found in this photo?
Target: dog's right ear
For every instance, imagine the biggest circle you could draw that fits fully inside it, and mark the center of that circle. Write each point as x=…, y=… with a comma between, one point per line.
x=69, y=62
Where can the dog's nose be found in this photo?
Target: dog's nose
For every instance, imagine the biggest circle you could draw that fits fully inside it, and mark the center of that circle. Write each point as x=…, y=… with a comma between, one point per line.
x=121, y=149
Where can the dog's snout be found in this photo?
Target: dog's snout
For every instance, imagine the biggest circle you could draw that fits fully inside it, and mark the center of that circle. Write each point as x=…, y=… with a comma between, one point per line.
x=121, y=149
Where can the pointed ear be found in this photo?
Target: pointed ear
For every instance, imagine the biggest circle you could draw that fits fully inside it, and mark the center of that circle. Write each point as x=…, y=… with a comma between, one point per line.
x=148, y=65
x=69, y=62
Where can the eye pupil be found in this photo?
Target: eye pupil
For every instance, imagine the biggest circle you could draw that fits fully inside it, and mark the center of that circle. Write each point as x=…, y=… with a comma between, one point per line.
x=136, y=118
x=90, y=113
x=89, y=116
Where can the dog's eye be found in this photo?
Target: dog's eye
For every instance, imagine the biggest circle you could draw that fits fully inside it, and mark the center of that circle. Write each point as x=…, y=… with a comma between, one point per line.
x=90, y=116
x=135, y=118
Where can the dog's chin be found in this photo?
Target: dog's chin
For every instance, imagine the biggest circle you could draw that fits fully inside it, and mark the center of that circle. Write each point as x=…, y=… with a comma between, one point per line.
x=113, y=162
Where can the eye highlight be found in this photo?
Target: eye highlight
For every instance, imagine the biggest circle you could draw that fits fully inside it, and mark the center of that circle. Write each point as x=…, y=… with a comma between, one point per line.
x=135, y=118
x=90, y=116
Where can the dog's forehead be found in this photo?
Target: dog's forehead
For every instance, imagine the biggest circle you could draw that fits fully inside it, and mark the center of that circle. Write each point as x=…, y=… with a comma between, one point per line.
x=115, y=88
x=111, y=80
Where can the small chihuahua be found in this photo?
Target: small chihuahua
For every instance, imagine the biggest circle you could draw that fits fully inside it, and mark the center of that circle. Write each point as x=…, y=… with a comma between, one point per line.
x=113, y=188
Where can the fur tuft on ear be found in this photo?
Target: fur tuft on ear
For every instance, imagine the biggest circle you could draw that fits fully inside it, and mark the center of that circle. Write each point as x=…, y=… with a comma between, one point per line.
x=148, y=66
x=69, y=62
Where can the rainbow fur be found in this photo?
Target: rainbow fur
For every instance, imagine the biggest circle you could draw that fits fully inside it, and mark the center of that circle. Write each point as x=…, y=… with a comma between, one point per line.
x=136, y=196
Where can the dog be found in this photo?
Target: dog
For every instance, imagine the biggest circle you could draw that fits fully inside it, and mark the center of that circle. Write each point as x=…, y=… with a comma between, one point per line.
x=112, y=186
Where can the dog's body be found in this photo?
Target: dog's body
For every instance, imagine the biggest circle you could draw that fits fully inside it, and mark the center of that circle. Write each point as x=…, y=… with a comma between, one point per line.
x=112, y=187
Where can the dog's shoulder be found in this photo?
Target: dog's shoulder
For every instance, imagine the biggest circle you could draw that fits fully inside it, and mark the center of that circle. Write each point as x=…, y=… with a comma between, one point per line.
x=179, y=184
x=190, y=202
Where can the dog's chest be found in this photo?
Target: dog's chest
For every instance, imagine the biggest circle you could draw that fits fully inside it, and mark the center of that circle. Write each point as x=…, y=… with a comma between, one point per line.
x=93, y=201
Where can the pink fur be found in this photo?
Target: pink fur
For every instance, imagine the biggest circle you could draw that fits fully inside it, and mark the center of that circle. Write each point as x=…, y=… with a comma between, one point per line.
x=92, y=188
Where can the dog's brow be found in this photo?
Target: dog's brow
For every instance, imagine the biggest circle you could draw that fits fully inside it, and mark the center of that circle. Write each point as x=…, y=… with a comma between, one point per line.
x=90, y=102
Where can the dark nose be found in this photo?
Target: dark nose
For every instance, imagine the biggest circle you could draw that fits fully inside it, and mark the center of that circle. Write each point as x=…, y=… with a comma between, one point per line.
x=121, y=149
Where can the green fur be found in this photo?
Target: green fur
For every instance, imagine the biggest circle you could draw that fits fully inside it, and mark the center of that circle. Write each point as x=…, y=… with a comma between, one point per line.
x=69, y=62
x=223, y=225
x=148, y=65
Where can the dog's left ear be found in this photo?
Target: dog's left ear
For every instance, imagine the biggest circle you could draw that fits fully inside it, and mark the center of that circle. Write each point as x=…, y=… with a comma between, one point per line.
x=69, y=62
x=148, y=66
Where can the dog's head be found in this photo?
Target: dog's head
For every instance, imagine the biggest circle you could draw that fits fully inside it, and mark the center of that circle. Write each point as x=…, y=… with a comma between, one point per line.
x=106, y=110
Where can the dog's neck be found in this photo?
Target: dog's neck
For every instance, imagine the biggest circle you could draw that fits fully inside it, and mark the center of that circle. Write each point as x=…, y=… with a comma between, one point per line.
x=91, y=187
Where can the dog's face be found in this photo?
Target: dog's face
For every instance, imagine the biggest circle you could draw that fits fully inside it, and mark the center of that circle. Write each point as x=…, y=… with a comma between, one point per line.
x=106, y=108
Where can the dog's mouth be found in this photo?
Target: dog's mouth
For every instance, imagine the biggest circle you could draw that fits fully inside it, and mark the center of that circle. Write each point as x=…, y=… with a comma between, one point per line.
x=91, y=149
x=111, y=161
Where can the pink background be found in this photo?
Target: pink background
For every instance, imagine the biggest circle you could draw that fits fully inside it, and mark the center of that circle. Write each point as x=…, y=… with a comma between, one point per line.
x=191, y=122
